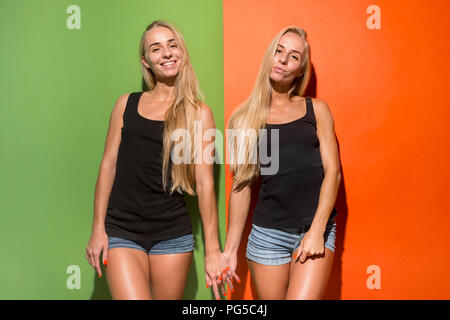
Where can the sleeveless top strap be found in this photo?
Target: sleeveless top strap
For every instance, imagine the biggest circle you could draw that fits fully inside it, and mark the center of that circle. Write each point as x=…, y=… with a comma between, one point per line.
x=310, y=111
x=130, y=113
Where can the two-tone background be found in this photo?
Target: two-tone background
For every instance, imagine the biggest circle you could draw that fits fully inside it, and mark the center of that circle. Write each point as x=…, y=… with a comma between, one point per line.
x=382, y=67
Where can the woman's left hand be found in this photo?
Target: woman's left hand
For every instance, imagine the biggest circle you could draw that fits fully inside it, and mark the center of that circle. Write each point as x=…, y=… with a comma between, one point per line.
x=216, y=274
x=312, y=244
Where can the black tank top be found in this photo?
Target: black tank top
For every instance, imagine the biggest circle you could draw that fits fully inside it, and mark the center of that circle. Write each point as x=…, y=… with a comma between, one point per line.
x=288, y=200
x=138, y=208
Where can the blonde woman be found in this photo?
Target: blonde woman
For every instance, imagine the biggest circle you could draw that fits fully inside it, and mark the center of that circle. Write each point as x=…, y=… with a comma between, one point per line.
x=141, y=223
x=290, y=248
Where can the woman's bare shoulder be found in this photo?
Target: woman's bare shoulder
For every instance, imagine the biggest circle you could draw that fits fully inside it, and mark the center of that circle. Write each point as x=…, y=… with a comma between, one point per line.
x=119, y=106
x=206, y=114
x=322, y=111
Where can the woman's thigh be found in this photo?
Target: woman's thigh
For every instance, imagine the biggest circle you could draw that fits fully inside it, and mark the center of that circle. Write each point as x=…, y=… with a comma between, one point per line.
x=309, y=280
x=271, y=281
x=128, y=274
x=168, y=274
x=170, y=261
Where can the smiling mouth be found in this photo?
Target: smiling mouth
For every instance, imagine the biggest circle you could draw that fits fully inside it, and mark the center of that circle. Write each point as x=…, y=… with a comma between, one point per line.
x=169, y=63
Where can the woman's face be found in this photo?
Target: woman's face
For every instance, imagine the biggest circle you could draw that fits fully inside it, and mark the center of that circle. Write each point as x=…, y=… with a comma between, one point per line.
x=163, y=53
x=288, y=57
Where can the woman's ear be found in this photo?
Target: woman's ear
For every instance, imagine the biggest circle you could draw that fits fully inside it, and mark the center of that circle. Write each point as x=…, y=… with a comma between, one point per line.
x=144, y=62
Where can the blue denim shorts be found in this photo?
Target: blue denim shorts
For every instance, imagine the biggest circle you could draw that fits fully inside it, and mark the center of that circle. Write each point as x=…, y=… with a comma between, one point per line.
x=177, y=245
x=275, y=247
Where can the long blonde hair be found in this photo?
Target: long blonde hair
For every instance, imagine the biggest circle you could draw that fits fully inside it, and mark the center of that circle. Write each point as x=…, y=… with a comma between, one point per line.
x=252, y=113
x=180, y=115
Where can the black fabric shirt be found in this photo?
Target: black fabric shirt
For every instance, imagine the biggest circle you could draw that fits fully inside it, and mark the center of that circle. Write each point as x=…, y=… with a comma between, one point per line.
x=288, y=200
x=138, y=208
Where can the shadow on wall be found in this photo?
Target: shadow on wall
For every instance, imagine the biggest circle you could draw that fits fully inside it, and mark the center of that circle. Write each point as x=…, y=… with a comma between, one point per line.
x=101, y=290
x=333, y=291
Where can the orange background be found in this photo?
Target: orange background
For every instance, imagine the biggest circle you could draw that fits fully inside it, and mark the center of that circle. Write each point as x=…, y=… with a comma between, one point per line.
x=388, y=92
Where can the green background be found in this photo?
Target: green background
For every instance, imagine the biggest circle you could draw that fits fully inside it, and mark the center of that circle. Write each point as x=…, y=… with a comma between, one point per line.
x=58, y=87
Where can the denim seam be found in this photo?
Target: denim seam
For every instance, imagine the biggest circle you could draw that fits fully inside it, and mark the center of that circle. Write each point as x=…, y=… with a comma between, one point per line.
x=271, y=262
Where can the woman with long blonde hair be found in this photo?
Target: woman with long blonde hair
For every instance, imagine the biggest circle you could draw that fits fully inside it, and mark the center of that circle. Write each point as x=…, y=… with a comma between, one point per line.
x=141, y=222
x=290, y=248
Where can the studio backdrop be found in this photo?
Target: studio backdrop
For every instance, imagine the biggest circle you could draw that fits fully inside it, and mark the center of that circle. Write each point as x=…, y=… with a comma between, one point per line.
x=63, y=66
x=382, y=67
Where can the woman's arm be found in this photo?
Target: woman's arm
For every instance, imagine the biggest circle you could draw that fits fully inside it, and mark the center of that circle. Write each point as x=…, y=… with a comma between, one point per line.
x=313, y=241
x=105, y=179
x=215, y=263
x=331, y=166
x=238, y=207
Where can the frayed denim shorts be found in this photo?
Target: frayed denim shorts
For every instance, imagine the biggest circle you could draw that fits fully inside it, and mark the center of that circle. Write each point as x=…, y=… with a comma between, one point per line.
x=177, y=245
x=275, y=247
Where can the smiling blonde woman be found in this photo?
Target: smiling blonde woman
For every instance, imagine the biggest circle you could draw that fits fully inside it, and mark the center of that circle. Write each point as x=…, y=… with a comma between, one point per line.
x=141, y=222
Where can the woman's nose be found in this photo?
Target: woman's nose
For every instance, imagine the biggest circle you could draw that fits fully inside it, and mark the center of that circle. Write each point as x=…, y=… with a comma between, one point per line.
x=166, y=53
x=283, y=59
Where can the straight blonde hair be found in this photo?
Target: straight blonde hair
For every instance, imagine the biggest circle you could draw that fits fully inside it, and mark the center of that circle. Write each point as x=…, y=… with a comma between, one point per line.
x=180, y=115
x=253, y=112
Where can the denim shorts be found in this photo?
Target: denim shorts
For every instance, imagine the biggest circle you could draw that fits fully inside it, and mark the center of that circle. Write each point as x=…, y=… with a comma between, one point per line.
x=275, y=247
x=177, y=245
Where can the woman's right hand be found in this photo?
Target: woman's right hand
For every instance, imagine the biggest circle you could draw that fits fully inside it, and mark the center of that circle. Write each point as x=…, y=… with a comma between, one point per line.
x=231, y=259
x=97, y=243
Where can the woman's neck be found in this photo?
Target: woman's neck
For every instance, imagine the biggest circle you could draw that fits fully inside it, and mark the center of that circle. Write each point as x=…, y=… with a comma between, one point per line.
x=280, y=95
x=163, y=92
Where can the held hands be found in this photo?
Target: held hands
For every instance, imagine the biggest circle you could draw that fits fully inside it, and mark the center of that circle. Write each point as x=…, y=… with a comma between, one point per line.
x=97, y=243
x=312, y=244
x=231, y=258
x=218, y=272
